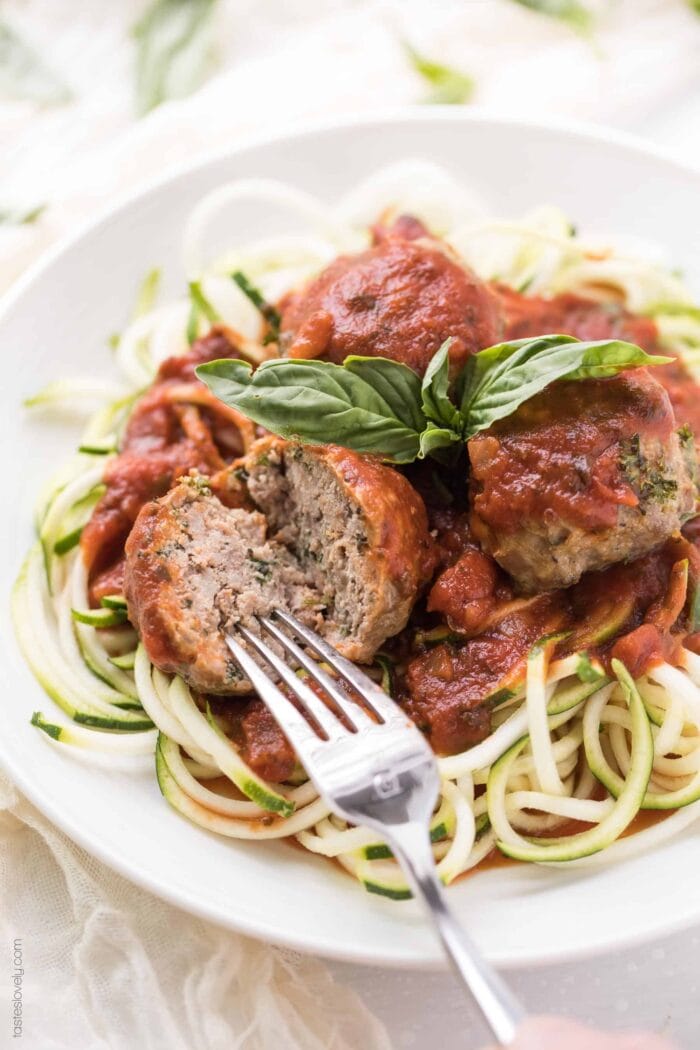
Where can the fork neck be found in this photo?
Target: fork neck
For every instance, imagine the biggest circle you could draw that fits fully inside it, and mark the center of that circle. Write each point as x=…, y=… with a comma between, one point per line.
x=499, y=1007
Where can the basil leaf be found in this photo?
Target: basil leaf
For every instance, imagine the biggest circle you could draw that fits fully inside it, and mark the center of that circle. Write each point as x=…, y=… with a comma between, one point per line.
x=436, y=402
x=498, y=380
x=315, y=402
x=435, y=438
x=398, y=384
x=605, y=359
x=448, y=86
x=25, y=75
x=571, y=12
x=175, y=50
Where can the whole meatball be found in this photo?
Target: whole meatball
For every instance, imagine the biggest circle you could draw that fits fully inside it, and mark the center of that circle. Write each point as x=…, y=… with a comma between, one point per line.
x=583, y=475
x=398, y=299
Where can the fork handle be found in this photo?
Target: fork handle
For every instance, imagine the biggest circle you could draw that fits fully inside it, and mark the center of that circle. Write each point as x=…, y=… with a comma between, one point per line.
x=501, y=1010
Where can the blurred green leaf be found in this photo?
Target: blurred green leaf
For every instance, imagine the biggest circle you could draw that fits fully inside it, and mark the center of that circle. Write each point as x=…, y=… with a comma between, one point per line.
x=25, y=75
x=20, y=216
x=573, y=13
x=175, y=50
x=448, y=86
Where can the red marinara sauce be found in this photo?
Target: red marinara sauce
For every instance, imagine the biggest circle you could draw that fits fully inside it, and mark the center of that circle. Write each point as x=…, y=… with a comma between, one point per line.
x=177, y=426
x=401, y=299
x=634, y=611
x=450, y=689
x=558, y=456
x=583, y=318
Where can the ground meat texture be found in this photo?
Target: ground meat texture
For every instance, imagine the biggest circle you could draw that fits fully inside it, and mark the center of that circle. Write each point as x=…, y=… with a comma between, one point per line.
x=358, y=528
x=399, y=299
x=337, y=539
x=450, y=690
x=583, y=475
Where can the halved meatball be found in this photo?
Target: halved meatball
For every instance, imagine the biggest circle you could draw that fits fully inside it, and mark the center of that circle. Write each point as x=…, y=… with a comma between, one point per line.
x=336, y=538
x=399, y=299
x=583, y=475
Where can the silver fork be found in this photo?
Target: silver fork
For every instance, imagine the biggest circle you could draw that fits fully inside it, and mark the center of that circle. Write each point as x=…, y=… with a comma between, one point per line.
x=376, y=771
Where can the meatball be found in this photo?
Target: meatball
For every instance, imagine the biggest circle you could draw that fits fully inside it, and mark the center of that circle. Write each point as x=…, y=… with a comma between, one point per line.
x=583, y=475
x=338, y=539
x=586, y=319
x=399, y=299
x=531, y=315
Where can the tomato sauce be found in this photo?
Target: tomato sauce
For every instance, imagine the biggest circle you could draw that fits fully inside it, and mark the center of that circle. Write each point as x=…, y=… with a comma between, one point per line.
x=176, y=427
x=635, y=611
x=586, y=319
x=401, y=299
x=558, y=457
x=559, y=454
x=450, y=689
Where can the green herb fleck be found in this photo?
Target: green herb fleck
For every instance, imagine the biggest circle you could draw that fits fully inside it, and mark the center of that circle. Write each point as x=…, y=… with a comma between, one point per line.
x=631, y=461
x=646, y=478
x=198, y=482
x=685, y=434
x=262, y=570
x=658, y=489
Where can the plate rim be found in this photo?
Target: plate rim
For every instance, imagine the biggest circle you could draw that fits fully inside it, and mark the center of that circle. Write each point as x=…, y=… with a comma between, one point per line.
x=400, y=957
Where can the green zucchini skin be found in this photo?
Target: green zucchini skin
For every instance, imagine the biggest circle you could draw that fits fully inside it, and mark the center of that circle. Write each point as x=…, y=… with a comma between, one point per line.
x=627, y=805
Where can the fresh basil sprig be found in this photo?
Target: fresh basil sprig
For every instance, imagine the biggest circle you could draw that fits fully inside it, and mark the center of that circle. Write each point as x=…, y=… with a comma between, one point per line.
x=496, y=381
x=321, y=403
x=371, y=404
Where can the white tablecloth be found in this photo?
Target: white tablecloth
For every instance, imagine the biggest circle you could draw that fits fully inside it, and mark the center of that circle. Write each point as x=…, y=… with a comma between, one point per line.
x=108, y=967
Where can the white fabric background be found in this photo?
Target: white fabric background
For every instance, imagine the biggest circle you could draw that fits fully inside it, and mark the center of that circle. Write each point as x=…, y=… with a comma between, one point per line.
x=107, y=965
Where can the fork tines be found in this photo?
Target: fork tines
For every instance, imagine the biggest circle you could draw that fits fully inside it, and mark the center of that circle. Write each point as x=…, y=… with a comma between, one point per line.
x=335, y=714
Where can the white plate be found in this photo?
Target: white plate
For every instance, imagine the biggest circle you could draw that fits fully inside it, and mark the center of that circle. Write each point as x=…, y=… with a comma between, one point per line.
x=56, y=323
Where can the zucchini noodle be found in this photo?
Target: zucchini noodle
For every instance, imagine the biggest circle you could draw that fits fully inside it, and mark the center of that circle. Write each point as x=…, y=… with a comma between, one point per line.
x=589, y=749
